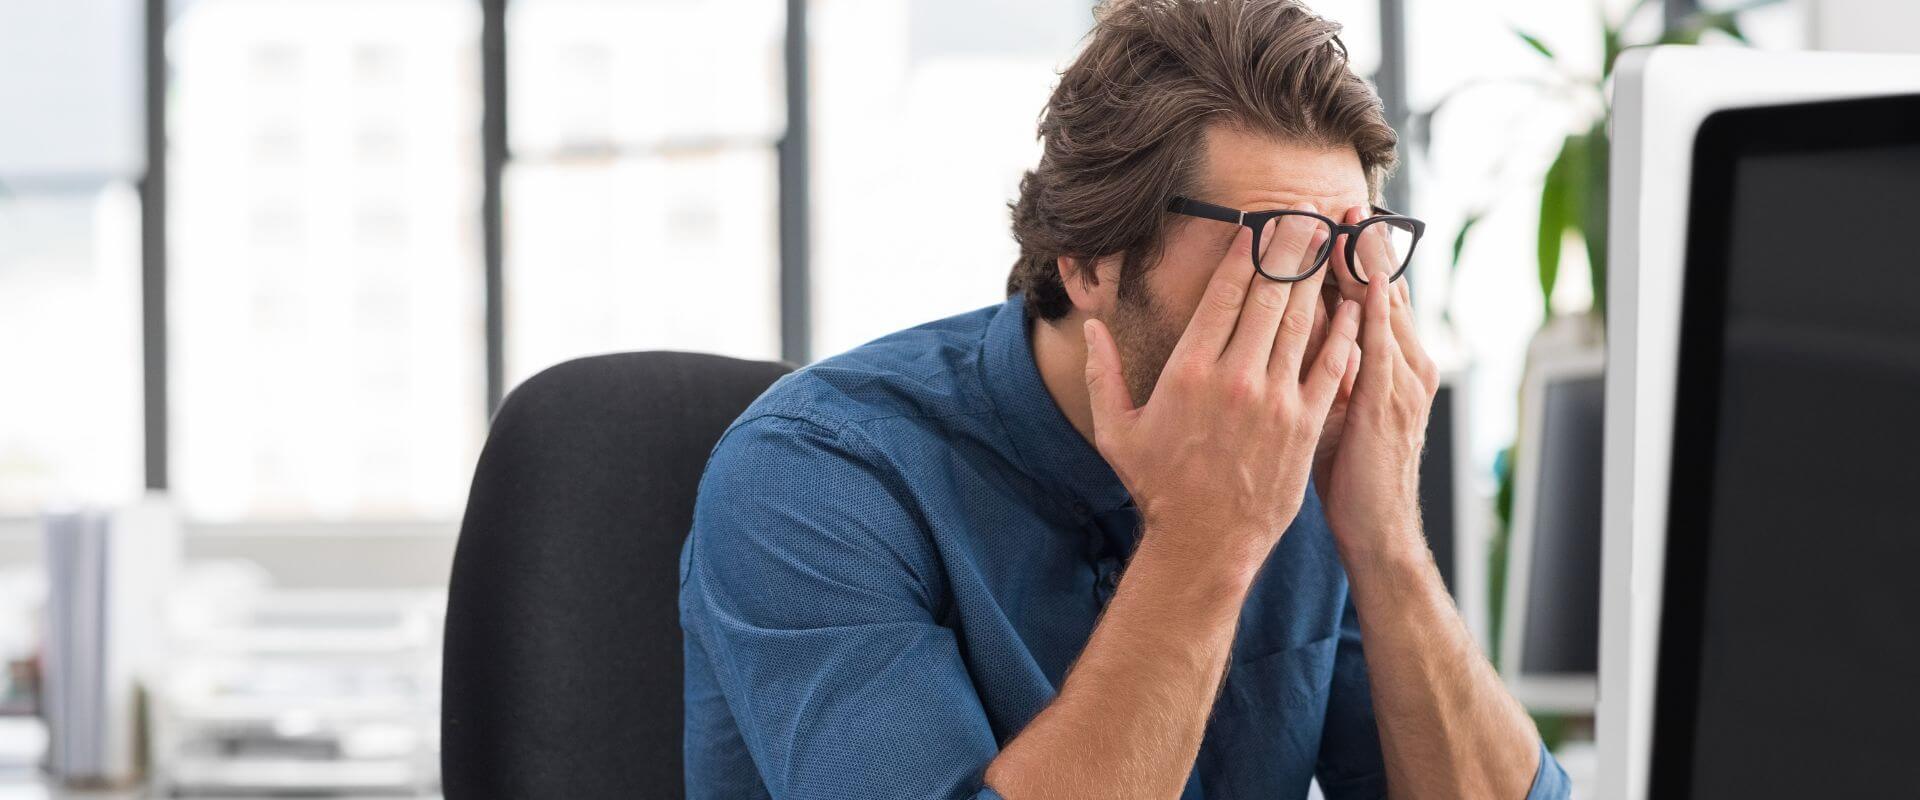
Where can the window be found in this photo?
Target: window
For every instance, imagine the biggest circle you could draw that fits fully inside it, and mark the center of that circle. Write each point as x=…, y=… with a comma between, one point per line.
x=641, y=206
x=923, y=122
x=325, y=287
x=70, y=358
x=70, y=318
x=326, y=355
x=924, y=119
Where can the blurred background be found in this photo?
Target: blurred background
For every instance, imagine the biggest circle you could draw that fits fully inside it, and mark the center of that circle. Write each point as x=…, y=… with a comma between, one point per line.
x=268, y=266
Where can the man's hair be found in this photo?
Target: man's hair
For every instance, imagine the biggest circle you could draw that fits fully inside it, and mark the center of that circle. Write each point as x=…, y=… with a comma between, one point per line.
x=1123, y=131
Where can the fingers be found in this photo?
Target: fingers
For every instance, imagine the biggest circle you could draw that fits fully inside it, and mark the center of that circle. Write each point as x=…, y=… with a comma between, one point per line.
x=1295, y=242
x=1375, y=257
x=1296, y=325
x=1106, y=384
x=1379, y=354
x=1406, y=333
x=1353, y=370
x=1343, y=278
x=1335, y=359
x=1322, y=320
x=1375, y=249
x=1212, y=324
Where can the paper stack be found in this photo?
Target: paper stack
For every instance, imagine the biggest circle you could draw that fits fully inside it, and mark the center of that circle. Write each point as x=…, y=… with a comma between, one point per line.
x=106, y=576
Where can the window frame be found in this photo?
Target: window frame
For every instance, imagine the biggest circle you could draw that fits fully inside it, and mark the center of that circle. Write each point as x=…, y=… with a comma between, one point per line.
x=794, y=214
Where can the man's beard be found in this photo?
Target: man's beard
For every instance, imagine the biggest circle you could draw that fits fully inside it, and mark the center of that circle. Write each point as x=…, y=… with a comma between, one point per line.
x=1146, y=336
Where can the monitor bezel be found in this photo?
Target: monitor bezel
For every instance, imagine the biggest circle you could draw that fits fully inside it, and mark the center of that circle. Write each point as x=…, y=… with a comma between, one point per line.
x=1540, y=691
x=1723, y=139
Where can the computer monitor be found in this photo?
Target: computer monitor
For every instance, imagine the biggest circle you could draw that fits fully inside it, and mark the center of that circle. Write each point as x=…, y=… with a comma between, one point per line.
x=1550, y=634
x=1713, y=456
x=1452, y=501
x=1789, y=654
x=1438, y=483
x=1450, y=504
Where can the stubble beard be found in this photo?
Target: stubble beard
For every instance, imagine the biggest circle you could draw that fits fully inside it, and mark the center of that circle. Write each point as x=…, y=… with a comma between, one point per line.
x=1146, y=337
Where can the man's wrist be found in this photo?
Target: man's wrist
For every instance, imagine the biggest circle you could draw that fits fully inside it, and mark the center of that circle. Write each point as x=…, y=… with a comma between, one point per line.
x=1386, y=543
x=1213, y=559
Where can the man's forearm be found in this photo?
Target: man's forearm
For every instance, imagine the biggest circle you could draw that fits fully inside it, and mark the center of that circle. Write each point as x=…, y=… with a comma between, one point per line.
x=1129, y=719
x=1448, y=727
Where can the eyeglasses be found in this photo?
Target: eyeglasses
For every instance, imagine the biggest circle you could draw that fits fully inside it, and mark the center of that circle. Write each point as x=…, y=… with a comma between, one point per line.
x=1396, y=234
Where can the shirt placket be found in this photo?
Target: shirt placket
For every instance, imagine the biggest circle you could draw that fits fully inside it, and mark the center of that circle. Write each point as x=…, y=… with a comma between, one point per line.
x=1110, y=538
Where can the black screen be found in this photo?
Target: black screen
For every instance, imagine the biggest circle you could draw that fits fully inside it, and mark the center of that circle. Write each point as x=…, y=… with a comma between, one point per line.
x=1790, y=655
x=1562, y=633
x=1437, y=488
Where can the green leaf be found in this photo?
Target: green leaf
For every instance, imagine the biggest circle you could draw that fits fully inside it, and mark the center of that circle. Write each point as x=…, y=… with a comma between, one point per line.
x=1558, y=195
x=1613, y=35
x=1594, y=223
x=1697, y=25
x=1610, y=52
x=1727, y=22
x=1460, y=239
x=1497, y=546
x=1535, y=42
x=1685, y=34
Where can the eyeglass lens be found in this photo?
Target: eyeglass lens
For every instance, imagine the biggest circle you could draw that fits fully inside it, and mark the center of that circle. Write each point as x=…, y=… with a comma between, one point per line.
x=1384, y=247
x=1293, y=227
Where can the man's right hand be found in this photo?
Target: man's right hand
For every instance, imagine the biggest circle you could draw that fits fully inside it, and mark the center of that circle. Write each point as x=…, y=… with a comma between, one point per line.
x=1217, y=459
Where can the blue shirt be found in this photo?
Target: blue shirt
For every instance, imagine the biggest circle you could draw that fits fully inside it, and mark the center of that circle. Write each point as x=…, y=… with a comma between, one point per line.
x=898, y=552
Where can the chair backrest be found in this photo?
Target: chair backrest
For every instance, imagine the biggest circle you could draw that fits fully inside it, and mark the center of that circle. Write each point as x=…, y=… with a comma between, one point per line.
x=562, y=674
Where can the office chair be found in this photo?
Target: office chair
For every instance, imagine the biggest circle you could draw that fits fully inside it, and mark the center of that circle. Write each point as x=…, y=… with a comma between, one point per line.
x=562, y=672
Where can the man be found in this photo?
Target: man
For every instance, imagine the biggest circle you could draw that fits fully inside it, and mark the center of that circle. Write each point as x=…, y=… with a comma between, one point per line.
x=905, y=575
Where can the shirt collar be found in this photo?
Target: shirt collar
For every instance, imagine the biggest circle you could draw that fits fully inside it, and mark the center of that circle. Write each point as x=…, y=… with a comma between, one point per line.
x=1048, y=447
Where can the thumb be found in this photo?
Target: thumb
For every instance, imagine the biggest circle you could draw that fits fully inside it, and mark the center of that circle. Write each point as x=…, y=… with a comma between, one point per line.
x=1106, y=385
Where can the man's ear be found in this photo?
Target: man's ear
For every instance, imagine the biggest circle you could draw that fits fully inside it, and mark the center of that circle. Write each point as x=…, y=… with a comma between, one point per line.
x=1093, y=284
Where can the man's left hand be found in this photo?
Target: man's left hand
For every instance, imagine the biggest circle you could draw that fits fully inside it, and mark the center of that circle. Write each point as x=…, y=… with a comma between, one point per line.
x=1368, y=465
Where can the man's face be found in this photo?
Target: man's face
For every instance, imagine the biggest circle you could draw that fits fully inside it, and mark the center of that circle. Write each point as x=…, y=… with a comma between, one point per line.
x=1249, y=172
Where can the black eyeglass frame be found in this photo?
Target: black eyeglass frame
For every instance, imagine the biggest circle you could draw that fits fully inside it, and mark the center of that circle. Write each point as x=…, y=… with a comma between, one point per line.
x=1257, y=220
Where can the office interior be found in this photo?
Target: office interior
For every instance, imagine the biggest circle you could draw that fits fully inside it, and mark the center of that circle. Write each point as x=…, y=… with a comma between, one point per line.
x=269, y=267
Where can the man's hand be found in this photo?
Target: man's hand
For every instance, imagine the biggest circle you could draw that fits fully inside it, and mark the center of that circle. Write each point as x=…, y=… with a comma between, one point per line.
x=1217, y=461
x=1447, y=726
x=1223, y=447
x=1368, y=467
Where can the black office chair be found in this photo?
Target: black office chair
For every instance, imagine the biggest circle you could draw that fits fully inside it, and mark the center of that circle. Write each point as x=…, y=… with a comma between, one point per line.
x=562, y=676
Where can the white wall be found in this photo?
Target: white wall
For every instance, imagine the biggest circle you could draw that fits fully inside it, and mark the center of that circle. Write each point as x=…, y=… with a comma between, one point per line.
x=1868, y=26
x=70, y=87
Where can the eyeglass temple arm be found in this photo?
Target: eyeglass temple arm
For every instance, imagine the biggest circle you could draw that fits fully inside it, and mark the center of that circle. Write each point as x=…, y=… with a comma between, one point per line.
x=1204, y=210
x=1200, y=208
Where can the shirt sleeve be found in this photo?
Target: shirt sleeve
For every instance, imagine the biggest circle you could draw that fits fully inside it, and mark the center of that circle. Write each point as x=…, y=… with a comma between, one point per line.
x=1550, y=781
x=807, y=586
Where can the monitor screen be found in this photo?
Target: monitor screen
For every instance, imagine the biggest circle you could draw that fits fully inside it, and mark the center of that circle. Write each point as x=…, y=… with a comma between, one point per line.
x=1437, y=486
x=1562, y=633
x=1790, y=637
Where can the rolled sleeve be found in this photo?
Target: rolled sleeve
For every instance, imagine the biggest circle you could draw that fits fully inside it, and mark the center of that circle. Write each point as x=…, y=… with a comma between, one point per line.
x=808, y=590
x=1351, y=765
x=1550, y=781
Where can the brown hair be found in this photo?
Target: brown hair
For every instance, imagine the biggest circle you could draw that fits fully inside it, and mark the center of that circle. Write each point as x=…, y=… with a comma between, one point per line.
x=1123, y=130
